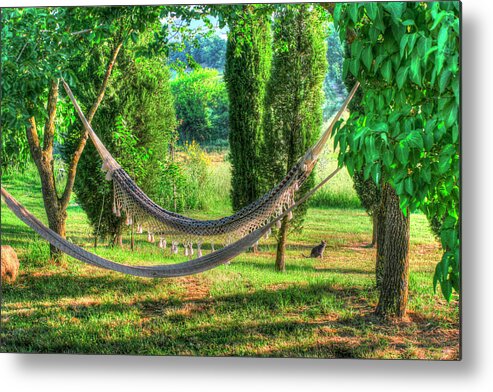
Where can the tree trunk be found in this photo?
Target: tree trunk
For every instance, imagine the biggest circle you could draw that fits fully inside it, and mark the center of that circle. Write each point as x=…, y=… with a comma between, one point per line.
x=394, y=287
x=281, y=246
x=56, y=223
x=375, y=229
x=55, y=206
x=43, y=158
x=380, y=258
x=118, y=240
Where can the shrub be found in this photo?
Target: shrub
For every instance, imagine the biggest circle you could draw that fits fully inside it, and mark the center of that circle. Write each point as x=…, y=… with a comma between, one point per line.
x=201, y=104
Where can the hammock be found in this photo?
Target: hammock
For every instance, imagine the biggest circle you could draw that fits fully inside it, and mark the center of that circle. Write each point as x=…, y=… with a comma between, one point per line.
x=141, y=211
x=197, y=265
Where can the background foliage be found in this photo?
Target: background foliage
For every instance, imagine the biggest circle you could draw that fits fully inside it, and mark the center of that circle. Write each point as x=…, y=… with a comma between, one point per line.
x=204, y=51
x=201, y=103
x=137, y=127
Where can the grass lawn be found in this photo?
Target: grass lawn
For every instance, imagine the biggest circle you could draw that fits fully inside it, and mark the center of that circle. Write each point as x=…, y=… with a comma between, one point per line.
x=318, y=308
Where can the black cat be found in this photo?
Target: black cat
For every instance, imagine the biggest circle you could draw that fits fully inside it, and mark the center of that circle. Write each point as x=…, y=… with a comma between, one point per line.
x=318, y=251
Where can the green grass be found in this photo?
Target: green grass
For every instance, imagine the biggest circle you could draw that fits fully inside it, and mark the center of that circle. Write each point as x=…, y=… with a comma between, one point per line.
x=318, y=308
x=339, y=191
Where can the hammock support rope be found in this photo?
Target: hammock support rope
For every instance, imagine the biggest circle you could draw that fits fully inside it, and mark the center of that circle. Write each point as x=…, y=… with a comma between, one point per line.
x=194, y=266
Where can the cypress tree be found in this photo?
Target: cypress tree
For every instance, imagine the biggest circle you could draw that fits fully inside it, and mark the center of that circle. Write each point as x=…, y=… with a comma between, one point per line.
x=294, y=101
x=247, y=69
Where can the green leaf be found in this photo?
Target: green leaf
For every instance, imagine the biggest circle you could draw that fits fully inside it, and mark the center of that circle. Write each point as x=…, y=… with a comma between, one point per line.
x=403, y=44
x=387, y=71
x=371, y=10
x=388, y=158
x=367, y=171
x=345, y=68
x=443, y=81
x=452, y=111
x=373, y=33
x=378, y=60
x=430, y=125
x=443, y=163
x=402, y=76
x=376, y=173
x=409, y=186
x=446, y=289
x=439, y=61
x=426, y=174
x=411, y=42
x=456, y=90
x=395, y=9
x=429, y=52
x=438, y=19
x=428, y=141
x=350, y=167
x=399, y=187
x=424, y=43
x=353, y=12
x=409, y=22
x=354, y=67
x=442, y=38
x=356, y=48
x=414, y=139
x=455, y=133
x=367, y=57
x=437, y=276
x=381, y=126
x=416, y=70
x=337, y=12
x=402, y=153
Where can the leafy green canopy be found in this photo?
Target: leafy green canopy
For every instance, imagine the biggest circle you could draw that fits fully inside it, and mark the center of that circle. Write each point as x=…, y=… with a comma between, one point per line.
x=406, y=55
x=201, y=103
x=41, y=44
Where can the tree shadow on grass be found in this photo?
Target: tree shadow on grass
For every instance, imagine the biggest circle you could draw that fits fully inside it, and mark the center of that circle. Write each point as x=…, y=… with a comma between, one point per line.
x=17, y=236
x=51, y=287
x=287, y=322
x=21, y=236
x=269, y=266
x=338, y=270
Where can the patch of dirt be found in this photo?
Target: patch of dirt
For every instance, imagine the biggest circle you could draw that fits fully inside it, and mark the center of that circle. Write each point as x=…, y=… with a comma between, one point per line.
x=278, y=286
x=423, y=249
x=78, y=303
x=195, y=288
x=360, y=247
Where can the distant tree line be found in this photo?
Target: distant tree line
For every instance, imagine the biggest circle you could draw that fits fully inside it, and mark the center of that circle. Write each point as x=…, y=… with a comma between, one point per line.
x=201, y=104
x=205, y=52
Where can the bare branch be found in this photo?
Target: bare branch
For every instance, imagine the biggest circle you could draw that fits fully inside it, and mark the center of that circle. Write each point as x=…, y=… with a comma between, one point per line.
x=82, y=143
x=33, y=140
x=22, y=51
x=49, y=131
x=82, y=32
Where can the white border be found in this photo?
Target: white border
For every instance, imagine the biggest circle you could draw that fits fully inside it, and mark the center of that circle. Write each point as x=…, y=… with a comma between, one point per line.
x=473, y=373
